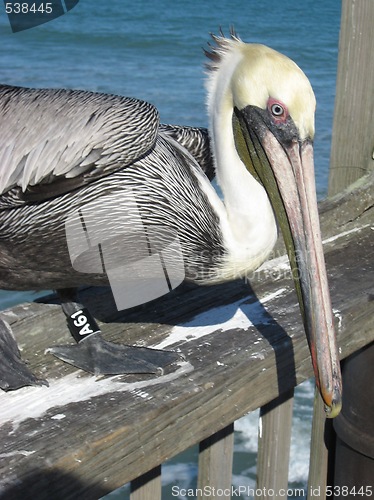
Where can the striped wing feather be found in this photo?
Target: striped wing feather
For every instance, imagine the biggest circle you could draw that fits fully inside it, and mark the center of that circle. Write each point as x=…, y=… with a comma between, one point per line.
x=53, y=141
x=196, y=141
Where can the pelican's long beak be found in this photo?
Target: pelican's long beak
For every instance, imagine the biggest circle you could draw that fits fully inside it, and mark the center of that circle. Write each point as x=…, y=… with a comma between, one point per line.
x=285, y=167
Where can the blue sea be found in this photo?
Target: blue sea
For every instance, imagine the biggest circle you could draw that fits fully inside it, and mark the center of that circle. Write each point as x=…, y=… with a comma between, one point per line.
x=153, y=51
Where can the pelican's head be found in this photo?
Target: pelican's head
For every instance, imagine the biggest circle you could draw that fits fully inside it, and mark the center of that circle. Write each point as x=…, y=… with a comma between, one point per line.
x=271, y=104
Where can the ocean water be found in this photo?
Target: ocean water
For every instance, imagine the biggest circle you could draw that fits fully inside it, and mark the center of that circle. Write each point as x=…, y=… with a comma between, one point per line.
x=153, y=51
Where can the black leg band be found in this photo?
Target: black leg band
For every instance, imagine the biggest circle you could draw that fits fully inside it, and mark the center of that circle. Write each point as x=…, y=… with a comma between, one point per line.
x=82, y=324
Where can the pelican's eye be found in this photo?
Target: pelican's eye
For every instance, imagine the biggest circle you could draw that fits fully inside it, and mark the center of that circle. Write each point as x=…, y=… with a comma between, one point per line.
x=278, y=110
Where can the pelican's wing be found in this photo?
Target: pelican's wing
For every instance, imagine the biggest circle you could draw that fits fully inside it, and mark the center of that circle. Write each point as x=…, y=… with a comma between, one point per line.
x=196, y=141
x=53, y=141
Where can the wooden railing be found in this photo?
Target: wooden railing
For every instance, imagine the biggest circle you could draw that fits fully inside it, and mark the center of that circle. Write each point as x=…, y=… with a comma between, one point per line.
x=82, y=437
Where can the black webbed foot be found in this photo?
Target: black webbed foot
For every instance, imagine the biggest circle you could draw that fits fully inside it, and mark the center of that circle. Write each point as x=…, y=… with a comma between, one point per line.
x=99, y=357
x=14, y=373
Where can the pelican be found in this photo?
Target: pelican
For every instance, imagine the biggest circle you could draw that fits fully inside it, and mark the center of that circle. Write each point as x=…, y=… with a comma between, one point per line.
x=62, y=149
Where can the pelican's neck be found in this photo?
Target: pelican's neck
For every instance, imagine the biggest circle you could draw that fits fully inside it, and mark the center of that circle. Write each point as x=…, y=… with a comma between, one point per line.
x=251, y=222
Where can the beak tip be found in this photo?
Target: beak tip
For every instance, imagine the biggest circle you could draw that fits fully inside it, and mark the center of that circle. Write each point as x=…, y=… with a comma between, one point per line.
x=332, y=403
x=333, y=410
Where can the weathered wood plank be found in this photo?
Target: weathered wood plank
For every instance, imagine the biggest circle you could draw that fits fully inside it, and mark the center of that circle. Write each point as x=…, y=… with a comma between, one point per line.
x=352, y=140
x=215, y=463
x=274, y=442
x=85, y=437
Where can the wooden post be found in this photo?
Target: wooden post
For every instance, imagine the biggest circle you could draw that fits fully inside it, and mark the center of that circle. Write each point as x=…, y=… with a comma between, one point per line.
x=147, y=486
x=215, y=462
x=319, y=447
x=352, y=149
x=274, y=443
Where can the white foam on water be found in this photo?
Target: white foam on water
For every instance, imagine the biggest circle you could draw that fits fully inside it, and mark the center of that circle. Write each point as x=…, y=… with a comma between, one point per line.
x=246, y=429
x=179, y=476
x=301, y=432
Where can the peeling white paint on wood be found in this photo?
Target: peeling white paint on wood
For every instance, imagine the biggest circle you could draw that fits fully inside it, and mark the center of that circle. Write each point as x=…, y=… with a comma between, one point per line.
x=237, y=315
x=35, y=402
